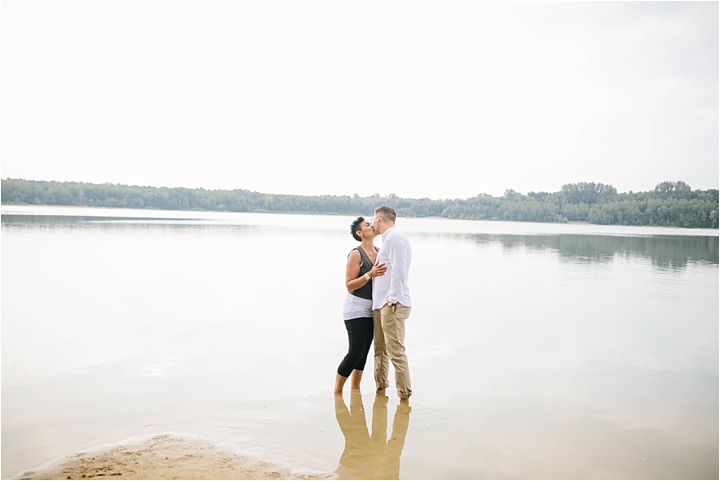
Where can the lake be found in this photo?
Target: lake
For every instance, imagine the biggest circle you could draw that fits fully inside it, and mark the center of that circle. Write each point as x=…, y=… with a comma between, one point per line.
x=537, y=351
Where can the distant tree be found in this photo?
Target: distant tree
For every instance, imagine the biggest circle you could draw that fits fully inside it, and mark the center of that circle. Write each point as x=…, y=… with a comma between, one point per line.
x=669, y=204
x=674, y=190
x=588, y=193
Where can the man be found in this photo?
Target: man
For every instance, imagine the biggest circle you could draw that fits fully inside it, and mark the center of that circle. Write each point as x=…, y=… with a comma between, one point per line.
x=391, y=304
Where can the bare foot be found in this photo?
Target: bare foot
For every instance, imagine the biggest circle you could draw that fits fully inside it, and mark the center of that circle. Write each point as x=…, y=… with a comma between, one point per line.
x=405, y=402
x=380, y=391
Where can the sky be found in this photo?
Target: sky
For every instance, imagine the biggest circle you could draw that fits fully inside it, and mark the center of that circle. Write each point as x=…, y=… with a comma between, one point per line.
x=439, y=99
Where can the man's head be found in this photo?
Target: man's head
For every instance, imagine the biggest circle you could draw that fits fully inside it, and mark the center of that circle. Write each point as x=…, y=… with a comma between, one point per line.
x=384, y=219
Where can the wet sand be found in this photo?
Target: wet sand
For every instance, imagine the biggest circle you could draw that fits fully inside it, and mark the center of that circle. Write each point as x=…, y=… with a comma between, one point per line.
x=371, y=451
x=166, y=456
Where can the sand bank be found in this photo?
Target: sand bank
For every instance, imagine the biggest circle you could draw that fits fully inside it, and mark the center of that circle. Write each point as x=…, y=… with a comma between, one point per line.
x=167, y=456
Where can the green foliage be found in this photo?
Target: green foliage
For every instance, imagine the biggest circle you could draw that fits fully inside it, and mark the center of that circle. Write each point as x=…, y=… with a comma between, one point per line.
x=588, y=193
x=669, y=204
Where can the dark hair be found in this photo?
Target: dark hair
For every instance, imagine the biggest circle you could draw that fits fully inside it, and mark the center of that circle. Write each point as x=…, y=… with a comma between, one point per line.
x=356, y=226
x=387, y=212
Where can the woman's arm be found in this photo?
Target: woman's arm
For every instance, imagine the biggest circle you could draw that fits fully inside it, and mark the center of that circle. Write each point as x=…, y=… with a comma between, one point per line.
x=352, y=270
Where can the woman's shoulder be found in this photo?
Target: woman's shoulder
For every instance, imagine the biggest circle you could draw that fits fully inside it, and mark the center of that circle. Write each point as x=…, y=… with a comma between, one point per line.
x=353, y=254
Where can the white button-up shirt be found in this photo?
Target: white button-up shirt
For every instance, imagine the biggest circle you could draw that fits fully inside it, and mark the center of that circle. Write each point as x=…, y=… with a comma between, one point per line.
x=397, y=255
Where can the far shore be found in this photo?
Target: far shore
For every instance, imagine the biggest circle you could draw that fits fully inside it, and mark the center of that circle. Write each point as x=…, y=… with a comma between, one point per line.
x=334, y=214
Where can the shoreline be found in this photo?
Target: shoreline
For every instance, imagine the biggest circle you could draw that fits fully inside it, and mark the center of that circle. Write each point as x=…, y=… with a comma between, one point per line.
x=167, y=456
x=174, y=214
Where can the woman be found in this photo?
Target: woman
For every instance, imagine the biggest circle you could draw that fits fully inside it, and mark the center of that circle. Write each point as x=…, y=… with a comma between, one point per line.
x=357, y=311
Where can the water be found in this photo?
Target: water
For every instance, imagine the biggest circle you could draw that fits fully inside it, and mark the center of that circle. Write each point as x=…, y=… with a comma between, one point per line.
x=536, y=350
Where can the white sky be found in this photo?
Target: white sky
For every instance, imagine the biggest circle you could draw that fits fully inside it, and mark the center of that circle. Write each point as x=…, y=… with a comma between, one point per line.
x=439, y=99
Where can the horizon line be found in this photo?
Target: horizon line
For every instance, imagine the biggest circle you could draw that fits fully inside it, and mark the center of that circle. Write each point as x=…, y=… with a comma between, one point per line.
x=388, y=196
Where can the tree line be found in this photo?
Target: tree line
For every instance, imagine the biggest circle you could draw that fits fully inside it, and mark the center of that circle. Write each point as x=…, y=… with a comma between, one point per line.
x=672, y=204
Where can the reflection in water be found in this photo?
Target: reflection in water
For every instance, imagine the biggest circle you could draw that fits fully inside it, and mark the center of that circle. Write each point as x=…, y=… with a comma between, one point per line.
x=68, y=220
x=665, y=252
x=370, y=456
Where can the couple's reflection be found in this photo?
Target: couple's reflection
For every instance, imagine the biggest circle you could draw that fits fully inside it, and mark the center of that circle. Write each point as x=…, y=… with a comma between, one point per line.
x=366, y=455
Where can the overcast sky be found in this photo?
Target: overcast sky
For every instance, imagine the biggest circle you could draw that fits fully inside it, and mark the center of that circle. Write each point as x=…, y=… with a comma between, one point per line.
x=437, y=99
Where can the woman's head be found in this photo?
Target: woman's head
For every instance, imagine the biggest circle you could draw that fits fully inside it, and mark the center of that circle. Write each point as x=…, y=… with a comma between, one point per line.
x=361, y=228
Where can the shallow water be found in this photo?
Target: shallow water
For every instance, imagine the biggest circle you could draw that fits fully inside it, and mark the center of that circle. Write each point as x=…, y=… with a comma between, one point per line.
x=536, y=350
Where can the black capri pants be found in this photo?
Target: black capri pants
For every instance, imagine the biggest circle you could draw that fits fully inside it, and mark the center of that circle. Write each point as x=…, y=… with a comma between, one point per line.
x=360, y=336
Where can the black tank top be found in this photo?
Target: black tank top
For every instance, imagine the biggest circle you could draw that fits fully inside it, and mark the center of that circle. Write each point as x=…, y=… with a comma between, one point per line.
x=365, y=291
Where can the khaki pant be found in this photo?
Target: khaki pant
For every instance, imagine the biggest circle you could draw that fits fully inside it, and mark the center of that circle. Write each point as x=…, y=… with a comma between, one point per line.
x=389, y=338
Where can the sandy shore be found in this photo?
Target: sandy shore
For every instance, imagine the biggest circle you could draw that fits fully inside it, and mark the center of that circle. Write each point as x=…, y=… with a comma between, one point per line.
x=166, y=457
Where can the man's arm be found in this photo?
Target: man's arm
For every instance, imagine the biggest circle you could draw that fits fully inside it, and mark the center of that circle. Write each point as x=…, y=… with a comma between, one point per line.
x=397, y=260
